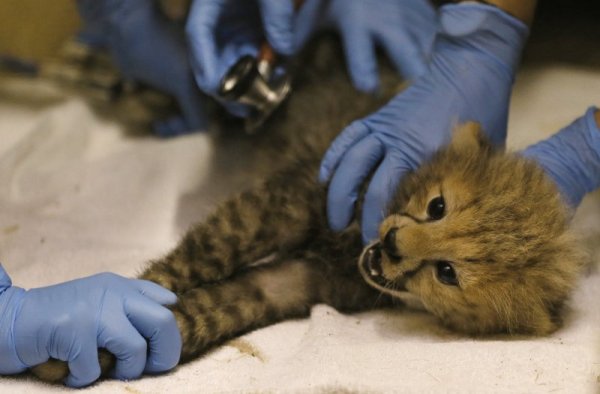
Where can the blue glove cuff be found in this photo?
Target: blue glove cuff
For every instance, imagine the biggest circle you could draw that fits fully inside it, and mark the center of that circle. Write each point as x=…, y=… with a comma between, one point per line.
x=572, y=158
x=10, y=300
x=486, y=29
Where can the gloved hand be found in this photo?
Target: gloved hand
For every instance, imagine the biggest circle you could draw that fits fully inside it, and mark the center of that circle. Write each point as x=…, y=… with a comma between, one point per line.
x=571, y=158
x=220, y=32
x=149, y=48
x=71, y=320
x=469, y=78
x=405, y=29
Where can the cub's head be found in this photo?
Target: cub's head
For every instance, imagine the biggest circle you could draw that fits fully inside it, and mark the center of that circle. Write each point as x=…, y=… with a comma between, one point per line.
x=481, y=238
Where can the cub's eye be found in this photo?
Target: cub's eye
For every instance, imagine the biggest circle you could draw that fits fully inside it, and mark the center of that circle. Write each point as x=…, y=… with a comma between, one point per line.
x=436, y=208
x=446, y=274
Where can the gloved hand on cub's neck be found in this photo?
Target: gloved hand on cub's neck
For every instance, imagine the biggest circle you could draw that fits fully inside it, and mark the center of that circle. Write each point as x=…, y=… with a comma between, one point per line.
x=469, y=78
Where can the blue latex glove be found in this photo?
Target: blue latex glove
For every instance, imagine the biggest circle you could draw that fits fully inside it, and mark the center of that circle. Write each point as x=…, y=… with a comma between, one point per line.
x=220, y=32
x=71, y=320
x=405, y=29
x=149, y=48
x=571, y=158
x=469, y=78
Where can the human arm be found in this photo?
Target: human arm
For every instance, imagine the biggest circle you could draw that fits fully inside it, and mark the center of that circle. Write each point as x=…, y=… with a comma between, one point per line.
x=521, y=9
x=71, y=320
x=470, y=76
x=571, y=157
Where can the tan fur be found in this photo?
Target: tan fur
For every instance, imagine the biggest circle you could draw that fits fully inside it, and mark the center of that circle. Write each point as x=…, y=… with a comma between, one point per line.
x=505, y=231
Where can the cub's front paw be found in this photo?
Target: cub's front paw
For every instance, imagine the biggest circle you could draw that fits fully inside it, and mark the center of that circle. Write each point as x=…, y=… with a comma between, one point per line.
x=56, y=371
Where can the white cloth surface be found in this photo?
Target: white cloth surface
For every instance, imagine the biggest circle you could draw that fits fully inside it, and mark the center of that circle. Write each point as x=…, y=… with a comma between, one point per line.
x=77, y=197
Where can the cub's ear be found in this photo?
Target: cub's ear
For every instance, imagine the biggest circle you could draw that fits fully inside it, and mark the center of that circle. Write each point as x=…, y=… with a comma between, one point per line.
x=469, y=137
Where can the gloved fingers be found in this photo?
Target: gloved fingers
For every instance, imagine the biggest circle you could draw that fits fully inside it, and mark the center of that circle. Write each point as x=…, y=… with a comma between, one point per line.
x=200, y=30
x=84, y=367
x=571, y=157
x=277, y=17
x=193, y=107
x=354, y=168
x=381, y=189
x=351, y=135
x=119, y=337
x=405, y=53
x=306, y=21
x=359, y=49
x=155, y=292
x=237, y=109
x=5, y=281
x=171, y=127
x=230, y=55
x=157, y=324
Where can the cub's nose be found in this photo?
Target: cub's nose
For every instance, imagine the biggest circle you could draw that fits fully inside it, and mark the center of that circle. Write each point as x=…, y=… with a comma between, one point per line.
x=389, y=245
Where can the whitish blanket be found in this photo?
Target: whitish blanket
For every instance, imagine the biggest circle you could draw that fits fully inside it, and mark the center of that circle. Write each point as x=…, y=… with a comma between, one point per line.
x=77, y=196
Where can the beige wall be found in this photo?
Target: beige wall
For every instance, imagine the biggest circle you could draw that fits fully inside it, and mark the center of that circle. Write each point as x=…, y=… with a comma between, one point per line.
x=35, y=29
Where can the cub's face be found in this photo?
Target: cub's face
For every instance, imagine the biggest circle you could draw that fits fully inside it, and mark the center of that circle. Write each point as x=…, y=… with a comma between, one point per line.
x=481, y=238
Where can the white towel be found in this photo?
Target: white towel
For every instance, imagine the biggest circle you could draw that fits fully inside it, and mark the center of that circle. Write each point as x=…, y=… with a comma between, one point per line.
x=77, y=197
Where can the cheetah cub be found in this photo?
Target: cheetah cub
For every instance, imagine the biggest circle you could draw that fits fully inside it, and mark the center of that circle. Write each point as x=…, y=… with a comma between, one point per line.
x=479, y=236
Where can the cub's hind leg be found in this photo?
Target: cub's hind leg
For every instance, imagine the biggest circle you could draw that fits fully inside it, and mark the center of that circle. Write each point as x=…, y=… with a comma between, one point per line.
x=267, y=294
x=280, y=214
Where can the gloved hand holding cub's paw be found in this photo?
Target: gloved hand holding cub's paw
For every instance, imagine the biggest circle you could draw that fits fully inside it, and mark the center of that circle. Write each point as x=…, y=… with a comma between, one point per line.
x=469, y=78
x=71, y=320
